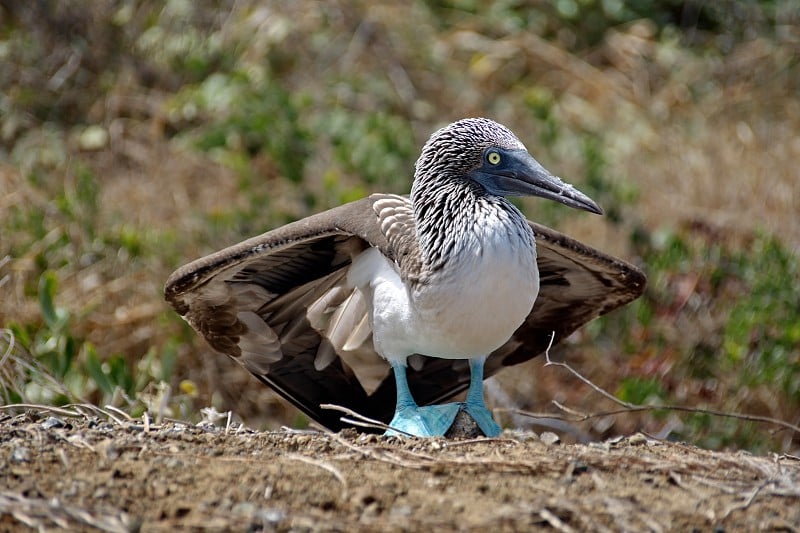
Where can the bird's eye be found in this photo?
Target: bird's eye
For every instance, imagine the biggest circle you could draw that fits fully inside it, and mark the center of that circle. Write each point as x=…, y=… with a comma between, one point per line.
x=493, y=158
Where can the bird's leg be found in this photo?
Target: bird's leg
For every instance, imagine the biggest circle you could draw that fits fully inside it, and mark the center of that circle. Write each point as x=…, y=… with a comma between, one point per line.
x=428, y=421
x=475, y=405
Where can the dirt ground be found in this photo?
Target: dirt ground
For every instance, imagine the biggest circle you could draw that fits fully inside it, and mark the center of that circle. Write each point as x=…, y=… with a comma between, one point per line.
x=110, y=473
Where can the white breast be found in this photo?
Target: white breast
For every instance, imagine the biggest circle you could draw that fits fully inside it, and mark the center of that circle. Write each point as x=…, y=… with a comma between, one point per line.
x=470, y=308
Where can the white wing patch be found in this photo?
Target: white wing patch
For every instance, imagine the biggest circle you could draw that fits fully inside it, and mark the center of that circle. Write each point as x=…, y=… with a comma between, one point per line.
x=260, y=345
x=341, y=315
x=359, y=335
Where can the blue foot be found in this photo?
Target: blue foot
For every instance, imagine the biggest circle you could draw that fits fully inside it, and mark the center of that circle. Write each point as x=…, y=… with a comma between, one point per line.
x=483, y=417
x=428, y=421
x=435, y=420
x=475, y=405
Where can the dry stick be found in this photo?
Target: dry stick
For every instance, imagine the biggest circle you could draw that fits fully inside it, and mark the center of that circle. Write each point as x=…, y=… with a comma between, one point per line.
x=482, y=440
x=633, y=408
x=119, y=412
x=641, y=408
x=554, y=521
x=361, y=420
x=95, y=409
x=320, y=464
x=361, y=424
x=746, y=503
x=38, y=407
x=575, y=373
x=373, y=453
x=80, y=410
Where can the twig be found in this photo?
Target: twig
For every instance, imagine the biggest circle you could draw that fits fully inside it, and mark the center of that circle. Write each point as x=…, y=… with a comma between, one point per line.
x=364, y=421
x=108, y=413
x=746, y=503
x=554, y=521
x=482, y=440
x=633, y=408
x=372, y=453
x=321, y=464
x=119, y=412
x=580, y=376
x=361, y=424
x=38, y=407
x=573, y=412
x=642, y=408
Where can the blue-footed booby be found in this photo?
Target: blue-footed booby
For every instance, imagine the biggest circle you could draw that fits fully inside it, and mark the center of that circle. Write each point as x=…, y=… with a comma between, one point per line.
x=324, y=309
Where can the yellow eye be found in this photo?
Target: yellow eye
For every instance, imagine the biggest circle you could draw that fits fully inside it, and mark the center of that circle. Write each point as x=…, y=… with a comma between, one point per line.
x=493, y=158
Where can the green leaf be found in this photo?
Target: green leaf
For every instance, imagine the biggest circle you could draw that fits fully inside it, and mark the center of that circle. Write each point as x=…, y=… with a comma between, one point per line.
x=640, y=391
x=95, y=368
x=47, y=291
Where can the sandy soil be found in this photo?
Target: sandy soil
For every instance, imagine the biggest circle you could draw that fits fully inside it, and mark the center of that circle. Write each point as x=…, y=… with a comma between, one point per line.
x=89, y=473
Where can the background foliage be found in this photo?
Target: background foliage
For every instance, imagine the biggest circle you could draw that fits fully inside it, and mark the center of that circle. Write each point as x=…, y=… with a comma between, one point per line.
x=135, y=136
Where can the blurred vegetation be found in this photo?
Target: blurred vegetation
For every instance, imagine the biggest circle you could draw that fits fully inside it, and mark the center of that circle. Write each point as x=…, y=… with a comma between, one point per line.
x=136, y=136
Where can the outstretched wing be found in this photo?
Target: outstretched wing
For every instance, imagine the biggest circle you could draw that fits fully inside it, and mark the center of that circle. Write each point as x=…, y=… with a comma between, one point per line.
x=280, y=305
x=256, y=301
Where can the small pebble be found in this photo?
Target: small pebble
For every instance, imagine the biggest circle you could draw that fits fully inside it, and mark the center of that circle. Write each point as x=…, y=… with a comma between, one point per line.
x=53, y=422
x=20, y=454
x=244, y=508
x=93, y=138
x=302, y=440
x=549, y=438
x=637, y=440
x=271, y=515
x=400, y=512
x=265, y=514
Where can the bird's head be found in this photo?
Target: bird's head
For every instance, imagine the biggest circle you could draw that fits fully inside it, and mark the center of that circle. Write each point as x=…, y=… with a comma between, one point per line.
x=488, y=155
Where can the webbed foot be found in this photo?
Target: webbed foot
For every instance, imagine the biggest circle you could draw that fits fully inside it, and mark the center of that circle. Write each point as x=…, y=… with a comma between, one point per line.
x=428, y=421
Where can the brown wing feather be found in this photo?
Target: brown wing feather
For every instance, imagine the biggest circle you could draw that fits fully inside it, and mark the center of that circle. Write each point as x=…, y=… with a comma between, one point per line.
x=251, y=301
x=241, y=298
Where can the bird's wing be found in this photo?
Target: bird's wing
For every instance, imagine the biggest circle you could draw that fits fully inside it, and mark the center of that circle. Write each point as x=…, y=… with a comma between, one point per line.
x=280, y=305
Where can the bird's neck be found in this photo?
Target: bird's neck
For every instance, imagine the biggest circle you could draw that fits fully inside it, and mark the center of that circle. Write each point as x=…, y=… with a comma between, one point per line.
x=452, y=218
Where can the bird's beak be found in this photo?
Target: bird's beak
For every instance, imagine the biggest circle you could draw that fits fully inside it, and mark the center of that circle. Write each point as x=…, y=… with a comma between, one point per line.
x=519, y=174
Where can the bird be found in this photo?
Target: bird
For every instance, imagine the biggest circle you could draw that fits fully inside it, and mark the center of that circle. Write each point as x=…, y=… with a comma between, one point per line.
x=391, y=304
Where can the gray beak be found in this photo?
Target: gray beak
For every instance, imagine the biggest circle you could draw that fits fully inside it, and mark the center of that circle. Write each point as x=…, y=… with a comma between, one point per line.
x=520, y=174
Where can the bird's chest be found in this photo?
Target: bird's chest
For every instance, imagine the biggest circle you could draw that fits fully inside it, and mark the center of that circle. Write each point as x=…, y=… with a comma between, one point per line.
x=481, y=296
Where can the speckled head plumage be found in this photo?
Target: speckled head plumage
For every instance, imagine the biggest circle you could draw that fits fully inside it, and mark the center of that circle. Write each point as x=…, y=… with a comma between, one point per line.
x=463, y=175
x=455, y=150
x=480, y=158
